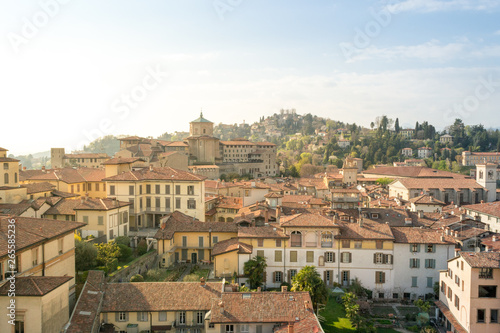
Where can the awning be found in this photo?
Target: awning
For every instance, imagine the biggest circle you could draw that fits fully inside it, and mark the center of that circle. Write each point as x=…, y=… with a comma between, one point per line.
x=451, y=318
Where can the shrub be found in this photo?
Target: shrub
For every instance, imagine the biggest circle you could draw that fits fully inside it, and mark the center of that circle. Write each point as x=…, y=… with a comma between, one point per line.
x=191, y=278
x=153, y=274
x=137, y=278
x=244, y=289
x=125, y=252
x=125, y=240
x=142, y=247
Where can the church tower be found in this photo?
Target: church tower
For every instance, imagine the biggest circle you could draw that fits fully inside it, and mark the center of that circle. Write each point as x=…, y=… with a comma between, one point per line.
x=203, y=146
x=486, y=177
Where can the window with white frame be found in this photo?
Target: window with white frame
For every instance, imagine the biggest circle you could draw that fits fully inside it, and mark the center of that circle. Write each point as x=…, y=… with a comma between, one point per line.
x=122, y=316
x=244, y=328
x=329, y=257
x=199, y=317
x=229, y=328
x=182, y=317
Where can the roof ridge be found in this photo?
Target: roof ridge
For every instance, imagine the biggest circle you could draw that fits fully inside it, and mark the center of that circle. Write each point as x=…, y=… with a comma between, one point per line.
x=36, y=285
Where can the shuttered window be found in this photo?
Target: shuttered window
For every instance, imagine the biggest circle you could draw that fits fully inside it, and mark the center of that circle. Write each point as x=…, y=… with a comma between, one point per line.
x=293, y=256
x=278, y=256
x=310, y=256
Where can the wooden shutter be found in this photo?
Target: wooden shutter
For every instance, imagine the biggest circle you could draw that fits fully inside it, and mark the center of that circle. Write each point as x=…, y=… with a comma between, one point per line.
x=265, y=277
x=274, y=276
x=117, y=316
x=350, y=257
x=418, y=247
x=126, y=316
x=418, y=263
x=374, y=258
x=138, y=316
x=324, y=277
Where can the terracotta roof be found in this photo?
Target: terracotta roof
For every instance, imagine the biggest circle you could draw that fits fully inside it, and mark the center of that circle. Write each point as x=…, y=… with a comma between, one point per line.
x=261, y=232
x=426, y=199
x=62, y=194
x=481, y=259
x=421, y=236
x=69, y=175
x=261, y=307
x=85, y=316
x=30, y=230
x=163, y=173
x=439, y=183
x=413, y=172
x=296, y=198
x=8, y=159
x=179, y=222
x=447, y=313
x=221, y=184
x=159, y=296
x=273, y=195
x=490, y=208
x=230, y=245
x=35, y=285
x=306, y=220
x=63, y=207
x=16, y=209
x=230, y=202
x=369, y=230
x=38, y=187
x=493, y=245
x=128, y=138
x=100, y=204
x=87, y=155
x=122, y=160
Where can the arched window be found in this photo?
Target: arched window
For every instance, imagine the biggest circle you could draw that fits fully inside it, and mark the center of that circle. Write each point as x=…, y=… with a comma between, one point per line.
x=6, y=178
x=221, y=219
x=311, y=239
x=229, y=219
x=296, y=239
x=326, y=239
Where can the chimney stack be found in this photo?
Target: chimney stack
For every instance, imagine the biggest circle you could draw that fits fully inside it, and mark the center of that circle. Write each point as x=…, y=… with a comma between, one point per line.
x=420, y=214
x=266, y=216
x=284, y=289
x=290, y=328
x=202, y=282
x=278, y=213
x=43, y=167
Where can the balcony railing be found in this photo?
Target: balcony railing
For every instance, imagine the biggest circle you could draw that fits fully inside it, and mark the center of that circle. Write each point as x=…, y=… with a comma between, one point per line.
x=486, y=275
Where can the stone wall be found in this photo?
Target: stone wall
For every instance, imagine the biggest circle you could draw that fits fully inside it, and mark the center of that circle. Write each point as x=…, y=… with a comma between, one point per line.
x=141, y=266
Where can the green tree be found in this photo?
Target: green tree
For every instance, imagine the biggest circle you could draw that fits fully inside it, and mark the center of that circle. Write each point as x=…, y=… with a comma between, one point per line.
x=125, y=252
x=352, y=308
x=308, y=279
x=107, y=254
x=137, y=278
x=254, y=269
x=396, y=125
x=384, y=181
x=85, y=256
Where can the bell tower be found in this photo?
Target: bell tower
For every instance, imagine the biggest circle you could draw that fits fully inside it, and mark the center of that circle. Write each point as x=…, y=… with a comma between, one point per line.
x=486, y=176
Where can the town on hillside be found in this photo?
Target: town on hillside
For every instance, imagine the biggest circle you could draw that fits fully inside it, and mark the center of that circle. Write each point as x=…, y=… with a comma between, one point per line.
x=284, y=225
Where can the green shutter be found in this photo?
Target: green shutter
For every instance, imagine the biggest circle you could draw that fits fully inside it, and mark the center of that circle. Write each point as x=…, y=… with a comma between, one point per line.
x=418, y=247
x=418, y=263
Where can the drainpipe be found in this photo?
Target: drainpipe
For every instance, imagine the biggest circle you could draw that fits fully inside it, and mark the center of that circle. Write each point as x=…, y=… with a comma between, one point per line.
x=43, y=259
x=338, y=259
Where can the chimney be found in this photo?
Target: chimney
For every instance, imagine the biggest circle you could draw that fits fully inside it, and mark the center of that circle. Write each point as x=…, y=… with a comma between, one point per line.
x=420, y=214
x=43, y=167
x=482, y=201
x=221, y=305
x=266, y=216
x=306, y=304
x=151, y=167
x=494, y=238
x=290, y=328
x=284, y=289
x=24, y=168
x=442, y=238
x=202, y=282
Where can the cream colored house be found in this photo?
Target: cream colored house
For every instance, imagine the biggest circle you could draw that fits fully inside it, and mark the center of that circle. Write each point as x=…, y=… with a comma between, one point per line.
x=41, y=304
x=469, y=299
x=155, y=192
x=59, y=159
x=44, y=248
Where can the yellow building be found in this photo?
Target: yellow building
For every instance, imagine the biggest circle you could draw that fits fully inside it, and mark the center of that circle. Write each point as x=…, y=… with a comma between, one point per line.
x=80, y=181
x=183, y=239
x=10, y=191
x=155, y=192
x=59, y=159
x=41, y=304
x=44, y=248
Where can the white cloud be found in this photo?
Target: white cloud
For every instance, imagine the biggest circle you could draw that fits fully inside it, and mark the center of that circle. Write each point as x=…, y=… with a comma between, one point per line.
x=427, y=6
x=433, y=50
x=497, y=33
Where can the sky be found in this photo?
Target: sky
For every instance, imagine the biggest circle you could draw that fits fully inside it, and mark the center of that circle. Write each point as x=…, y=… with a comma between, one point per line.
x=74, y=70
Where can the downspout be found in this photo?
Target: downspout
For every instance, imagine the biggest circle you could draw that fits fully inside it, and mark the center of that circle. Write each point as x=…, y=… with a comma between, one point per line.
x=338, y=260
x=284, y=262
x=43, y=259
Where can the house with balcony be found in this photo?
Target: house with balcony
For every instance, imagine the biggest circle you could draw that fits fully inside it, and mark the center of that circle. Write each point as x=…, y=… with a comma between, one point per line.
x=343, y=198
x=469, y=299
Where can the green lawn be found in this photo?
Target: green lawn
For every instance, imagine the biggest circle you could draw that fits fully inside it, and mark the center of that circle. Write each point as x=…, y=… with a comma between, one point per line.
x=336, y=322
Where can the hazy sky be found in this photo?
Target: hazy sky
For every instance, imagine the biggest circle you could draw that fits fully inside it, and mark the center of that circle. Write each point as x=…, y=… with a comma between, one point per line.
x=72, y=70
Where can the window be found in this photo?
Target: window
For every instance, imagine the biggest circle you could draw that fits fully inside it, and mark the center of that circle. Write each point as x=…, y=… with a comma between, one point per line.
x=457, y=302
x=19, y=327
x=244, y=328
x=191, y=204
x=167, y=203
x=177, y=189
x=6, y=166
x=157, y=189
x=260, y=242
x=96, y=186
x=148, y=202
x=494, y=315
x=329, y=257
x=157, y=203
x=34, y=256
x=162, y=316
x=414, y=263
x=278, y=256
x=379, y=277
x=430, y=263
x=142, y=316
x=278, y=243
x=429, y=282
x=345, y=257
x=277, y=277
x=148, y=189
x=111, y=190
x=260, y=253
x=6, y=178
x=215, y=239
x=379, y=244
x=414, y=281
x=414, y=247
x=310, y=256
x=326, y=239
x=211, y=325
x=122, y=316
x=296, y=239
x=200, y=241
x=293, y=256
x=229, y=328
x=184, y=241
x=293, y=272
x=346, y=243
x=190, y=190
x=131, y=190
x=167, y=189
x=457, y=280
x=431, y=248
x=486, y=273
x=395, y=295
x=487, y=291
x=177, y=203
x=381, y=258
x=358, y=245
x=100, y=220
x=182, y=317
x=199, y=317
x=450, y=294
x=86, y=219
x=481, y=313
